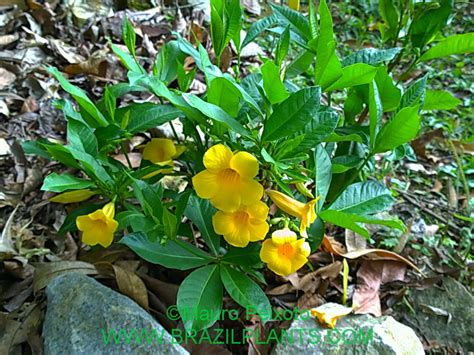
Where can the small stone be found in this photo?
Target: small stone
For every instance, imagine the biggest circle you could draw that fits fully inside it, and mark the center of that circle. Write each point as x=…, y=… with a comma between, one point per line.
x=353, y=334
x=81, y=315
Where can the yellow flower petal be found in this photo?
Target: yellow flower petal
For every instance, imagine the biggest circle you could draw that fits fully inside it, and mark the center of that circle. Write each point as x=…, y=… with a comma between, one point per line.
x=217, y=158
x=257, y=210
x=250, y=191
x=223, y=223
x=286, y=203
x=226, y=200
x=159, y=150
x=73, y=196
x=245, y=164
x=84, y=223
x=294, y=4
x=206, y=184
x=109, y=210
x=258, y=229
x=99, y=226
x=179, y=150
x=283, y=236
x=240, y=237
x=328, y=313
x=93, y=237
x=269, y=251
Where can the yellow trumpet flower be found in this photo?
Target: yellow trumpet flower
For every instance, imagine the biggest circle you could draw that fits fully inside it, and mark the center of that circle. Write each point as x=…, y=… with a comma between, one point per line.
x=304, y=211
x=246, y=224
x=329, y=313
x=284, y=254
x=161, y=151
x=99, y=226
x=228, y=179
x=294, y=4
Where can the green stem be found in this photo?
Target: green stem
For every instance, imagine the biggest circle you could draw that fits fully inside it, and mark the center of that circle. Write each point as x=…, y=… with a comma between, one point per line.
x=124, y=151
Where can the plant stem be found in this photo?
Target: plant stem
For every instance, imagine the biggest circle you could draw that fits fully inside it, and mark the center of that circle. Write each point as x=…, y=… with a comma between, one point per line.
x=124, y=151
x=458, y=161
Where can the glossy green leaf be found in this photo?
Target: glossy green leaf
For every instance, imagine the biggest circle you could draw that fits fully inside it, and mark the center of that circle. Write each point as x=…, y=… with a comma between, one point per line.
x=293, y=114
x=200, y=212
x=389, y=93
x=174, y=254
x=245, y=292
x=223, y=93
x=282, y=46
x=371, y=56
x=298, y=22
x=415, y=94
x=323, y=174
x=355, y=74
x=344, y=163
x=457, y=44
x=375, y=111
x=248, y=256
x=275, y=91
x=81, y=98
x=440, y=100
x=58, y=183
x=127, y=60
x=129, y=36
x=321, y=125
x=258, y=27
x=200, y=298
x=80, y=136
x=399, y=130
x=364, y=198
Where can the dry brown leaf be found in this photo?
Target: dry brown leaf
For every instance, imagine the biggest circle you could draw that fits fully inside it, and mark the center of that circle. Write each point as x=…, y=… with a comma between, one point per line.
x=281, y=290
x=370, y=276
x=6, y=78
x=29, y=105
x=95, y=65
x=310, y=300
x=331, y=246
x=354, y=241
x=419, y=144
x=131, y=285
x=46, y=272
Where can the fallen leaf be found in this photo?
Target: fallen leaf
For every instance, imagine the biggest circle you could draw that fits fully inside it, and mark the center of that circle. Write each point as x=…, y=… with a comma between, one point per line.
x=131, y=285
x=370, y=276
x=6, y=78
x=332, y=246
x=436, y=311
x=8, y=39
x=46, y=272
x=354, y=241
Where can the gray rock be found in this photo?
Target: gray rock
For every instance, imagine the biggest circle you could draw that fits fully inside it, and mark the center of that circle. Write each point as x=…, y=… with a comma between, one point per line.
x=353, y=334
x=444, y=315
x=81, y=315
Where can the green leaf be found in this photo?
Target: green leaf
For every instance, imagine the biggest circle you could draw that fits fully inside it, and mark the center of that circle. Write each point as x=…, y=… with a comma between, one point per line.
x=245, y=292
x=300, y=64
x=344, y=220
x=215, y=113
x=147, y=115
x=258, y=27
x=129, y=36
x=282, y=46
x=127, y=60
x=322, y=174
x=415, y=94
x=371, y=56
x=81, y=136
x=275, y=91
x=200, y=212
x=429, y=22
x=91, y=165
x=439, y=100
x=355, y=74
x=399, y=130
x=389, y=93
x=328, y=66
x=149, y=197
x=223, y=93
x=351, y=221
x=457, y=44
x=344, y=163
x=174, y=254
x=217, y=30
x=298, y=22
x=293, y=114
x=59, y=183
x=81, y=98
x=168, y=62
x=375, y=112
x=200, y=298
x=363, y=198
x=185, y=79
x=248, y=256
x=390, y=15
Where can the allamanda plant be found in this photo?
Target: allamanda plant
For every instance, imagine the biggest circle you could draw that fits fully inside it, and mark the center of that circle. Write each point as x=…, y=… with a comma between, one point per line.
x=248, y=142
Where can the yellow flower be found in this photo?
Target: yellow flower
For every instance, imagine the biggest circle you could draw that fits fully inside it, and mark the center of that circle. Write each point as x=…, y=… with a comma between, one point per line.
x=73, y=196
x=329, y=313
x=284, y=254
x=294, y=4
x=228, y=179
x=99, y=226
x=161, y=151
x=246, y=224
x=304, y=211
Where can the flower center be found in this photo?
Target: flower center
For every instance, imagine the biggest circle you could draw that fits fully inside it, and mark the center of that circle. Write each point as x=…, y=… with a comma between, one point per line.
x=229, y=176
x=241, y=217
x=286, y=250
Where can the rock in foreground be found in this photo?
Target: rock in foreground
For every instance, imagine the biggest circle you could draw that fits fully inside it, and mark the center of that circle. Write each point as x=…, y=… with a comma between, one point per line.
x=82, y=315
x=354, y=334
